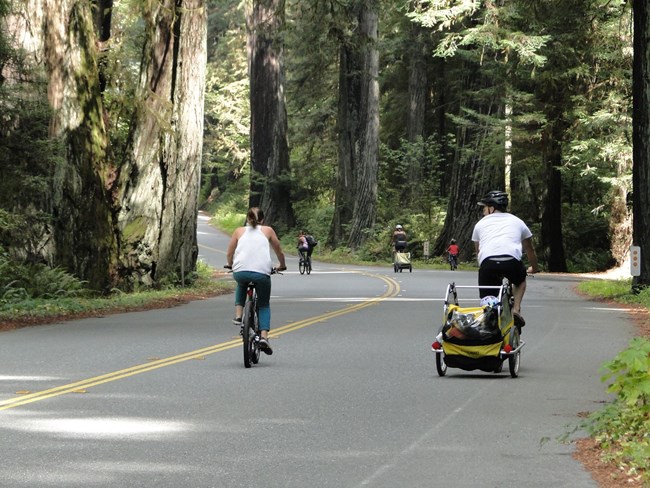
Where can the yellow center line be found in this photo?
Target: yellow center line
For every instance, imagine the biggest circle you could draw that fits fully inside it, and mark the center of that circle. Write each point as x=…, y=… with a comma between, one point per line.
x=391, y=291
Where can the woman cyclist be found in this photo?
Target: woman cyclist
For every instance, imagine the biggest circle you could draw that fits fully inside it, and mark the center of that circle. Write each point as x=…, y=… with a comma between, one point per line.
x=303, y=245
x=249, y=255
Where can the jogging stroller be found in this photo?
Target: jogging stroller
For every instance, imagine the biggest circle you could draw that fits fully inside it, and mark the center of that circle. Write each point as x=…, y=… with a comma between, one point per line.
x=402, y=260
x=478, y=338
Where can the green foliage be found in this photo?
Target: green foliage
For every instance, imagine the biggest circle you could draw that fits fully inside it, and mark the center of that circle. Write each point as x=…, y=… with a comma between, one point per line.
x=615, y=289
x=20, y=281
x=314, y=219
x=29, y=159
x=623, y=426
x=28, y=309
x=226, y=151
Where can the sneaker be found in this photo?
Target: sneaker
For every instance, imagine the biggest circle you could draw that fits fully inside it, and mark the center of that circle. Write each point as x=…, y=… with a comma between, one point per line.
x=237, y=321
x=265, y=346
x=519, y=320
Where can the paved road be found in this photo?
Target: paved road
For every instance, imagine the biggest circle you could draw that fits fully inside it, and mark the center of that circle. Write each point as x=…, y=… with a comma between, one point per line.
x=350, y=399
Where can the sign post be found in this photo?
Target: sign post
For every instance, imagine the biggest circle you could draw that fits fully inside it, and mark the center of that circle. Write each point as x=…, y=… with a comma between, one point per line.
x=635, y=260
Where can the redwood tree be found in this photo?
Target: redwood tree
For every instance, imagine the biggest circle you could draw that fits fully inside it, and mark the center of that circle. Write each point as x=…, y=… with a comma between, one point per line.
x=270, y=187
x=159, y=179
x=121, y=214
x=640, y=138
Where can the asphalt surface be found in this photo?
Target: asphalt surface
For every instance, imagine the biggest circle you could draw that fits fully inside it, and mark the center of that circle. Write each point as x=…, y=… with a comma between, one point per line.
x=350, y=397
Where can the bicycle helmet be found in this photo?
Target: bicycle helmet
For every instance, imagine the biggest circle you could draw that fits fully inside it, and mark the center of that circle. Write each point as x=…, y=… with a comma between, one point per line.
x=398, y=227
x=497, y=199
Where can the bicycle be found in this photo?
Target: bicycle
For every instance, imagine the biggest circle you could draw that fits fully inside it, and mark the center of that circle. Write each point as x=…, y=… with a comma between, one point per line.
x=453, y=261
x=304, y=264
x=249, y=331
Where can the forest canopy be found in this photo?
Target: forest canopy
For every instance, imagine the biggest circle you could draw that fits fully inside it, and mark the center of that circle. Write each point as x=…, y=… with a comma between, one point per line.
x=341, y=118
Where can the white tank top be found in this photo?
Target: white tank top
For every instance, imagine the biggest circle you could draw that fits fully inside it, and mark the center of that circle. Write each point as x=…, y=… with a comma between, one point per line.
x=253, y=252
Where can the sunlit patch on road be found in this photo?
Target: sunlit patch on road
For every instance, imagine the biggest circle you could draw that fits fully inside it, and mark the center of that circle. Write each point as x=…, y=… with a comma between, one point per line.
x=99, y=427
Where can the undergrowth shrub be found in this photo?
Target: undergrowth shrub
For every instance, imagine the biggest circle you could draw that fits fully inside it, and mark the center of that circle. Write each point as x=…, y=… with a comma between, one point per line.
x=622, y=428
x=20, y=281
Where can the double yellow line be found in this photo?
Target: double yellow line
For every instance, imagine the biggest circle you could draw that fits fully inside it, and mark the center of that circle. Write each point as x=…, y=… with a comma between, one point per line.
x=80, y=386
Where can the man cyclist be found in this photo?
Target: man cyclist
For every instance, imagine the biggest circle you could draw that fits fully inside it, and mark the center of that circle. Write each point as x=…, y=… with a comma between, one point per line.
x=499, y=238
x=249, y=256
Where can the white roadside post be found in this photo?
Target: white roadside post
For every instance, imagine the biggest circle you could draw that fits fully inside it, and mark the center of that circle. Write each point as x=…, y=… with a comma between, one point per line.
x=635, y=260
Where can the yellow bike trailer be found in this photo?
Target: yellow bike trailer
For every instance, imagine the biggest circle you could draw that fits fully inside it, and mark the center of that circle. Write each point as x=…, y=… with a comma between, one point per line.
x=479, y=337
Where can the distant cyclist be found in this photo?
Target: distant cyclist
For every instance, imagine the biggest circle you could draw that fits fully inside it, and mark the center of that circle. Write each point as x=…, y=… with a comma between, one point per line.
x=499, y=238
x=303, y=245
x=249, y=255
x=398, y=239
x=452, y=253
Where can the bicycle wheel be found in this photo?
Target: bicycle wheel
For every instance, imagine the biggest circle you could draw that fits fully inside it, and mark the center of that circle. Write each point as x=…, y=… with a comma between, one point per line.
x=248, y=333
x=255, y=346
x=515, y=359
x=441, y=366
x=308, y=266
x=301, y=266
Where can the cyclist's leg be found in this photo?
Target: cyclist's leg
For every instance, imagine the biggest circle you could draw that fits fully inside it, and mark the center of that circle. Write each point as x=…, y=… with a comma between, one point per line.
x=263, y=284
x=489, y=274
x=242, y=278
x=515, y=271
x=264, y=311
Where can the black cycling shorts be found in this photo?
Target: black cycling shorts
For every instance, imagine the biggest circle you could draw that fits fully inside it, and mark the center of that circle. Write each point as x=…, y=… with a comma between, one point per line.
x=494, y=269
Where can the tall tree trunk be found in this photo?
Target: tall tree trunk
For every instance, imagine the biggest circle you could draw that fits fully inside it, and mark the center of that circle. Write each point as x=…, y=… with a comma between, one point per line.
x=270, y=173
x=552, y=136
x=465, y=190
x=640, y=138
x=159, y=182
x=365, y=197
x=472, y=176
x=417, y=91
x=348, y=130
x=58, y=37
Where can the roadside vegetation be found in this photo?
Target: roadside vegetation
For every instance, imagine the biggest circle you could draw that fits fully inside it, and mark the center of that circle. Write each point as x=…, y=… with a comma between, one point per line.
x=37, y=294
x=622, y=428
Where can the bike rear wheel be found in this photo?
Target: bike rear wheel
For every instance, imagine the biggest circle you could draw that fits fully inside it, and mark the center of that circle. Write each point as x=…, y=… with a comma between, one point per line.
x=301, y=266
x=248, y=334
x=308, y=265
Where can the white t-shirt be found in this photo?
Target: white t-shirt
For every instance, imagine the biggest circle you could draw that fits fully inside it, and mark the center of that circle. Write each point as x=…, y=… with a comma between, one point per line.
x=253, y=252
x=500, y=234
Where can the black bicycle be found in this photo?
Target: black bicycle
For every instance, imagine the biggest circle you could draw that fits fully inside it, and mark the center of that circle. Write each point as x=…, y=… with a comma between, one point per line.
x=250, y=331
x=304, y=264
x=453, y=261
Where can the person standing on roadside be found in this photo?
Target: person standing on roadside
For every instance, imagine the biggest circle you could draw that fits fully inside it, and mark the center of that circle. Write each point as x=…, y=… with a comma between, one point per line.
x=500, y=239
x=249, y=256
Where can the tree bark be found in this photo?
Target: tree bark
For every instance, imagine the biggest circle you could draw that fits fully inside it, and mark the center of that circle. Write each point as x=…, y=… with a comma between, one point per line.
x=159, y=182
x=270, y=187
x=348, y=133
x=417, y=91
x=58, y=37
x=472, y=176
x=365, y=197
x=640, y=138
